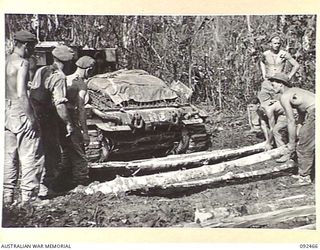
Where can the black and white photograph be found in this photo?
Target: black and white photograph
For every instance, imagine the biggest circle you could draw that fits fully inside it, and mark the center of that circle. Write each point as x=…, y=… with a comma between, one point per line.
x=159, y=121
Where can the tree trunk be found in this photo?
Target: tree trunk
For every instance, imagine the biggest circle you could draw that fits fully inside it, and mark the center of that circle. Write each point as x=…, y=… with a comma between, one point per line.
x=125, y=41
x=220, y=91
x=182, y=161
x=190, y=66
x=164, y=180
x=248, y=24
x=232, y=176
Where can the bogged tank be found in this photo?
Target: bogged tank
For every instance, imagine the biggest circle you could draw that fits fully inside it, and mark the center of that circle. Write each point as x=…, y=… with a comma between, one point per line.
x=134, y=115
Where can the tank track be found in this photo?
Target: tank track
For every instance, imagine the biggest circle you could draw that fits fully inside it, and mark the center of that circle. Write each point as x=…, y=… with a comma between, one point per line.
x=192, y=138
x=199, y=138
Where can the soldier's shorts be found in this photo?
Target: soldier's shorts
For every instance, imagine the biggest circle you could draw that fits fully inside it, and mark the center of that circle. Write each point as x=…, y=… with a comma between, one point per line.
x=267, y=92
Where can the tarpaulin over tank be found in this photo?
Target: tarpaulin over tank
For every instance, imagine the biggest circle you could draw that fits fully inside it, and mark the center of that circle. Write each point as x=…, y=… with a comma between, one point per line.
x=125, y=85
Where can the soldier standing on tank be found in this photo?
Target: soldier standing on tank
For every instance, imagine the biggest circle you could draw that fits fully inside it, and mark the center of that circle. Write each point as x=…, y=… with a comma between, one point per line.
x=48, y=95
x=73, y=154
x=22, y=139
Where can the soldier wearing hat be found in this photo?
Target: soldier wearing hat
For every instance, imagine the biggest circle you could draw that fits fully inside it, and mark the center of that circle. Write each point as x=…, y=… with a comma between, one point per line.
x=273, y=61
x=73, y=154
x=22, y=140
x=304, y=129
x=48, y=94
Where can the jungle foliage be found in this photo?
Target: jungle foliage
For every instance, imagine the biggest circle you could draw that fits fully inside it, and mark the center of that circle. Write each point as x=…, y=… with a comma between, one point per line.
x=217, y=56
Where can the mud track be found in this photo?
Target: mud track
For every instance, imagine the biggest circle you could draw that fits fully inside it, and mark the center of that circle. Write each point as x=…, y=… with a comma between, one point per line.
x=225, y=202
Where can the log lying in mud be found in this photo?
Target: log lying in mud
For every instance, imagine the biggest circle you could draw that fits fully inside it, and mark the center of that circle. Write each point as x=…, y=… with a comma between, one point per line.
x=231, y=176
x=203, y=214
x=260, y=220
x=169, y=179
x=181, y=161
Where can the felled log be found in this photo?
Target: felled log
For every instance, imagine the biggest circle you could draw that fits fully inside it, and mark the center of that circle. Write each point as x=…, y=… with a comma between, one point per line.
x=182, y=161
x=268, y=218
x=232, y=176
x=202, y=214
x=169, y=179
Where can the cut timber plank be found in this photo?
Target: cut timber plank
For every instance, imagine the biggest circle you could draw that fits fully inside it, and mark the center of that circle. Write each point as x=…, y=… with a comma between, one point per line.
x=261, y=219
x=182, y=161
x=218, y=213
x=123, y=184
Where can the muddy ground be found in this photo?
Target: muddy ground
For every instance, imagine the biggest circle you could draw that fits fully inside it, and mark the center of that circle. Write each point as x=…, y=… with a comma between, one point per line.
x=170, y=210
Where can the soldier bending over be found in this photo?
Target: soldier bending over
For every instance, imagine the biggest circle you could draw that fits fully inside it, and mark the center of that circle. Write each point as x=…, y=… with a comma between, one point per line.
x=304, y=102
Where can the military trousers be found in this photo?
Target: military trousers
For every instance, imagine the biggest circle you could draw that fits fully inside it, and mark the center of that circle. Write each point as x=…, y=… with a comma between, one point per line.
x=21, y=151
x=281, y=124
x=51, y=145
x=306, y=144
x=73, y=156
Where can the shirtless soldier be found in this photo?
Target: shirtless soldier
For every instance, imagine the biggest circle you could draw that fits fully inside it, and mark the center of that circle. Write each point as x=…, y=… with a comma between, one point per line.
x=304, y=102
x=22, y=141
x=273, y=61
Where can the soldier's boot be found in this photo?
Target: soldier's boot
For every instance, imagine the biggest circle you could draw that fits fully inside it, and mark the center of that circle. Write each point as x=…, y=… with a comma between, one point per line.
x=46, y=192
x=7, y=196
x=83, y=180
x=80, y=176
x=303, y=181
x=30, y=198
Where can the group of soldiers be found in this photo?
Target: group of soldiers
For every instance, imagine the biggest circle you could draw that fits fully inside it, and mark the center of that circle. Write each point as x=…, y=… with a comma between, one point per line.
x=283, y=106
x=45, y=122
x=46, y=131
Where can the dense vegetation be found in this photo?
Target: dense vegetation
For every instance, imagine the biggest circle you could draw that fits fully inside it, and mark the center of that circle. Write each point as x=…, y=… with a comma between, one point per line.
x=218, y=56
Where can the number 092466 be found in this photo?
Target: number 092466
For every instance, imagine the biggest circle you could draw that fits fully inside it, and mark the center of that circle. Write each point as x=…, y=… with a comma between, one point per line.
x=309, y=246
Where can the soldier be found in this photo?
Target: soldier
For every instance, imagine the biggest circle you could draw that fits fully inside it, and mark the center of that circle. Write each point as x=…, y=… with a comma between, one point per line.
x=277, y=121
x=32, y=67
x=48, y=96
x=22, y=141
x=100, y=58
x=73, y=154
x=260, y=119
x=273, y=61
x=304, y=102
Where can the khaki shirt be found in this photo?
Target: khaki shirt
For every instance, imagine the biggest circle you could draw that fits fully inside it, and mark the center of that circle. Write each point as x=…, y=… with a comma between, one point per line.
x=48, y=87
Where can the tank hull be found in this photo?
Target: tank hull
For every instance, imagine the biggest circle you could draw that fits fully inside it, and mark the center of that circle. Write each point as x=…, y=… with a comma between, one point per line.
x=134, y=115
x=159, y=135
